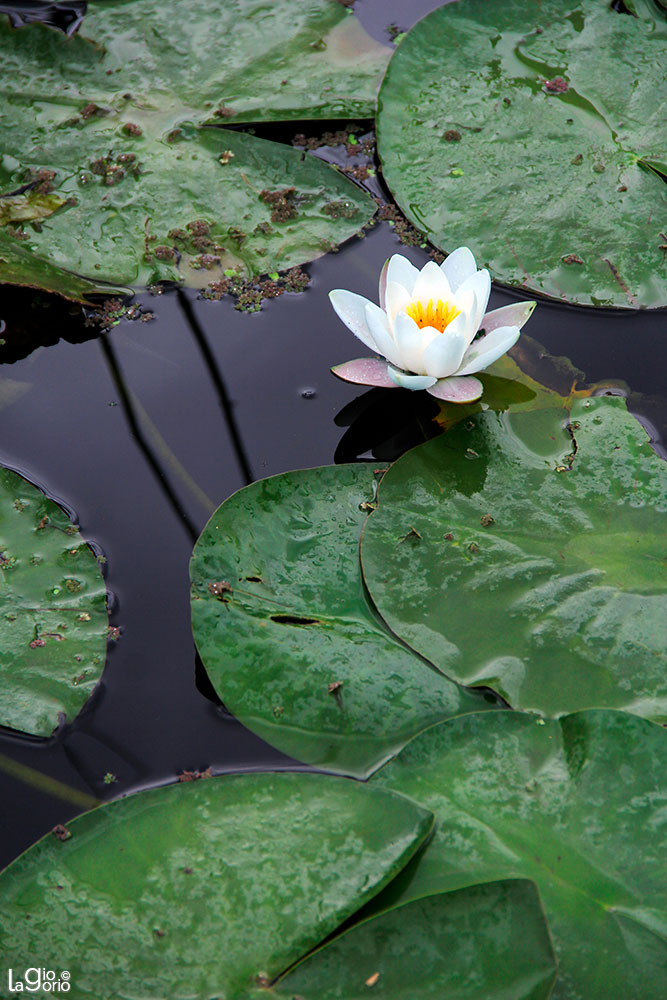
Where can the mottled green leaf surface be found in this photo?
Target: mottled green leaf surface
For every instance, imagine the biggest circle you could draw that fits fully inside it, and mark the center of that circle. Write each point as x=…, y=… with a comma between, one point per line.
x=127, y=186
x=533, y=134
x=480, y=942
x=20, y=266
x=260, y=61
x=287, y=634
x=53, y=617
x=537, y=560
x=195, y=890
x=578, y=805
x=176, y=211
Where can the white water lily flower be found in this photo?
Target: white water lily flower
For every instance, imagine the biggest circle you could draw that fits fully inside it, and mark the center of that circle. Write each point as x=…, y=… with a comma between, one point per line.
x=426, y=327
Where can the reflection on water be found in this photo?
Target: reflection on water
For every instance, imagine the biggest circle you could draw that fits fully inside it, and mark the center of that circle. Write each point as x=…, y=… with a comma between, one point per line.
x=384, y=423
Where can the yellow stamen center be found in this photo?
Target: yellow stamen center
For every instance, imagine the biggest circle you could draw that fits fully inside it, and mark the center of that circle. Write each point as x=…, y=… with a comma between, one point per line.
x=439, y=315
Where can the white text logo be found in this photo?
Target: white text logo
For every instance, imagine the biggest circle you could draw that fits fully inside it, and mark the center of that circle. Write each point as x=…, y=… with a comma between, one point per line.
x=33, y=980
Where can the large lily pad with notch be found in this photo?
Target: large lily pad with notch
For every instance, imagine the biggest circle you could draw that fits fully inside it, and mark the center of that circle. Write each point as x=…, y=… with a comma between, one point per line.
x=201, y=890
x=139, y=209
x=53, y=616
x=575, y=804
x=479, y=942
x=107, y=173
x=532, y=133
x=258, y=61
x=288, y=636
x=527, y=551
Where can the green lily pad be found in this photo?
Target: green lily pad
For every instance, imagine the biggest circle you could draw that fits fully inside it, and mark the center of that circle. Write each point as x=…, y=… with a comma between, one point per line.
x=257, y=61
x=53, y=616
x=188, y=209
x=203, y=889
x=578, y=806
x=533, y=135
x=480, y=942
x=288, y=636
x=536, y=563
x=19, y=266
x=107, y=172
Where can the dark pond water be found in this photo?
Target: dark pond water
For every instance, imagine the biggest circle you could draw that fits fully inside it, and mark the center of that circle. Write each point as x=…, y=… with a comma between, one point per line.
x=143, y=431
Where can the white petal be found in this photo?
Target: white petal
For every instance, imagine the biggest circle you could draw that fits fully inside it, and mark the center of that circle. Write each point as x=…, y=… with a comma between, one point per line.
x=487, y=349
x=457, y=389
x=396, y=298
x=465, y=321
x=459, y=265
x=444, y=354
x=351, y=308
x=431, y=284
x=400, y=269
x=410, y=343
x=408, y=381
x=515, y=314
x=378, y=325
x=476, y=317
x=466, y=300
x=383, y=283
x=480, y=284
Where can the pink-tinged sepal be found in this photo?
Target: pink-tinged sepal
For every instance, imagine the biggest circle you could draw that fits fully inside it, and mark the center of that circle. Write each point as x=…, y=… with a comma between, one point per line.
x=365, y=371
x=516, y=314
x=457, y=389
